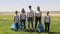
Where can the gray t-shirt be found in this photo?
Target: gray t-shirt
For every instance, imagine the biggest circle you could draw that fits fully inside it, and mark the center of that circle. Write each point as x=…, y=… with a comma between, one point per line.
x=16, y=18
x=30, y=14
x=47, y=19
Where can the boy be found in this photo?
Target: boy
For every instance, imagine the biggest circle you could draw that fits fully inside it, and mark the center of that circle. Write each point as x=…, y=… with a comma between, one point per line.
x=47, y=22
x=16, y=20
x=30, y=16
x=23, y=17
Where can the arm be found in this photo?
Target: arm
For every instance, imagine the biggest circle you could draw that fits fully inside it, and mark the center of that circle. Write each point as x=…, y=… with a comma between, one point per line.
x=44, y=18
x=27, y=15
x=14, y=18
x=50, y=19
x=18, y=20
x=33, y=14
x=20, y=16
x=41, y=15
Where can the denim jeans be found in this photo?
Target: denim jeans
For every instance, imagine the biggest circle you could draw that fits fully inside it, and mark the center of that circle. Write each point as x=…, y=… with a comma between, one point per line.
x=30, y=20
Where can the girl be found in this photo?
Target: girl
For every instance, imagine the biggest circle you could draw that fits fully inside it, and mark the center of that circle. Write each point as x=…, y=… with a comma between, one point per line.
x=23, y=17
x=37, y=16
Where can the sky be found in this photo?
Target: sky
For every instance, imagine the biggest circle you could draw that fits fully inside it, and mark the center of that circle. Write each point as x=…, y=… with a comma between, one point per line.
x=45, y=5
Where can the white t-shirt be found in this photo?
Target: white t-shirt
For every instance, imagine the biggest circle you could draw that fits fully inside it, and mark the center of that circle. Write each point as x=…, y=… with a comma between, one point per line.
x=30, y=13
x=16, y=17
x=38, y=13
x=22, y=15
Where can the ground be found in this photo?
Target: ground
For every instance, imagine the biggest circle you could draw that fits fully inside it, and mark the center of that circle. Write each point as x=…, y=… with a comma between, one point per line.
x=6, y=20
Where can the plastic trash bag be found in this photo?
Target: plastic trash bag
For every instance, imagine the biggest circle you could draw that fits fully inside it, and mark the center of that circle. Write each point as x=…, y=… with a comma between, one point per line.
x=13, y=27
x=40, y=27
x=21, y=25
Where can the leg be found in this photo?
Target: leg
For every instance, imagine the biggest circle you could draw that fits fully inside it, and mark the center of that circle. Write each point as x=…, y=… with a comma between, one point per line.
x=39, y=19
x=24, y=24
x=28, y=23
x=32, y=22
x=17, y=26
x=48, y=26
x=36, y=22
x=45, y=26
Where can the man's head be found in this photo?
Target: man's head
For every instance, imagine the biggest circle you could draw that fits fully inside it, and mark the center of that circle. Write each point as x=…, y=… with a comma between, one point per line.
x=30, y=7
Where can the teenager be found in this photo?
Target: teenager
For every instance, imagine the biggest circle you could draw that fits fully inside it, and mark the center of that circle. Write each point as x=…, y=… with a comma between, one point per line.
x=23, y=18
x=16, y=20
x=47, y=21
x=30, y=16
x=37, y=16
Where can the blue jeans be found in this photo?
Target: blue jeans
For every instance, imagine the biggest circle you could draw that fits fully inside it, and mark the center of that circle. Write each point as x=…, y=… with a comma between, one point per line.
x=23, y=22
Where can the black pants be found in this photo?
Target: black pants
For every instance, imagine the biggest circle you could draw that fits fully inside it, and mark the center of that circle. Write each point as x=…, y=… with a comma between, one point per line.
x=37, y=19
x=47, y=25
x=24, y=21
x=16, y=26
x=30, y=20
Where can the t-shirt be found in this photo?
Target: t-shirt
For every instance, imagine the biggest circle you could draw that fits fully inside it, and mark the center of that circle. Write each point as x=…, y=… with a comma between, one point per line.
x=38, y=14
x=22, y=16
x=16, y=18
x=47, y=19
x=30, y=13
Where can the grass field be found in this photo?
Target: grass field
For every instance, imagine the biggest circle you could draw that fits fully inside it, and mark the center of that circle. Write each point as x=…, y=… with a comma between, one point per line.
x=6, y=20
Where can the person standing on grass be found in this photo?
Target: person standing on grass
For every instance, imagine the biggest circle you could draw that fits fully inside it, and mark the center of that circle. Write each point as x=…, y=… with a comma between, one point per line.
x=16, y=20
x=47, y=21
x=23, y=17
x=30, y=16
x=37, y=16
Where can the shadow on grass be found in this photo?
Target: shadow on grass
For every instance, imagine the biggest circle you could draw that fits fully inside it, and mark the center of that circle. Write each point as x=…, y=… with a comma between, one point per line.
x=41, y=32
x=54, y=32
x=29, y=30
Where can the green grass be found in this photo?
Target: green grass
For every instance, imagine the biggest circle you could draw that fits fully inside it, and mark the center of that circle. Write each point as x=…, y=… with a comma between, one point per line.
x=7, y=20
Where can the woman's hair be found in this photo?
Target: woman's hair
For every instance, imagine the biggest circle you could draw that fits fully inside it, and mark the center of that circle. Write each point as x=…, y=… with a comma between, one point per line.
x=38, y=8
x=23, y=11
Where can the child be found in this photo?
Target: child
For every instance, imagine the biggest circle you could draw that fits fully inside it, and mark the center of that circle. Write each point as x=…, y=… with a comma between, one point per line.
x=30, y=16
x=23, y=17
x=16, y=20
x=37, y=16
x=47, y=22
